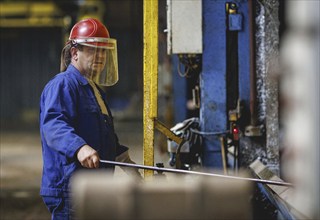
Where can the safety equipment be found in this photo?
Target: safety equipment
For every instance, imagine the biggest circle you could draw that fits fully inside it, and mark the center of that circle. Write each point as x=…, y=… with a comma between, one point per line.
x=103, y=50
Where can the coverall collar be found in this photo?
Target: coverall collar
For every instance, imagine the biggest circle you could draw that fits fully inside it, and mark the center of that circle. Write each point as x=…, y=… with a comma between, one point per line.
x=82, y=80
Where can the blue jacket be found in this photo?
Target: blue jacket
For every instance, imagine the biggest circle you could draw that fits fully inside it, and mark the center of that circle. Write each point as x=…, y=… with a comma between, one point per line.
x=70, y=117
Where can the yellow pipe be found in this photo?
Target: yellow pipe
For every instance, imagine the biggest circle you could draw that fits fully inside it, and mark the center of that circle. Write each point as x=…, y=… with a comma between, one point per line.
x=150, y=79
x=29, y=9
x=25, y=14
x=33, y=22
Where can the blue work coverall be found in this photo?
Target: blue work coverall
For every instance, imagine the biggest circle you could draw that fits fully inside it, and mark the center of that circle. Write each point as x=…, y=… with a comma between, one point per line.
x=70, y=117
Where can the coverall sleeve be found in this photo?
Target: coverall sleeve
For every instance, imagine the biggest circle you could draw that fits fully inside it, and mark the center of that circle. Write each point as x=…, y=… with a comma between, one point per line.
x=58, y=112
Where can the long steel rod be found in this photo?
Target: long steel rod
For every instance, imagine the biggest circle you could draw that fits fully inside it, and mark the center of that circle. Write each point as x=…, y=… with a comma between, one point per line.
x=169, y=170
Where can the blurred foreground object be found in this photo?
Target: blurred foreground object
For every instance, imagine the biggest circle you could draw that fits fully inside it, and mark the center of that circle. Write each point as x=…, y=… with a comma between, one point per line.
x=300, y=92
x=102, y=196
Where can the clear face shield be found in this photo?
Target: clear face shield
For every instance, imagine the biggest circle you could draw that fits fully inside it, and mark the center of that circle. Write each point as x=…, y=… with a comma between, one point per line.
x=102, y=60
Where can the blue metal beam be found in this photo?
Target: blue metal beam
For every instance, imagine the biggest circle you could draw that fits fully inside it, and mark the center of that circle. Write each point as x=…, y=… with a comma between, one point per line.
x=213, y=115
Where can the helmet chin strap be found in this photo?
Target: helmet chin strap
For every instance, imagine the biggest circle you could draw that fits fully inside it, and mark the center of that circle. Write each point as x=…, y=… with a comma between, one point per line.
x=99, y=99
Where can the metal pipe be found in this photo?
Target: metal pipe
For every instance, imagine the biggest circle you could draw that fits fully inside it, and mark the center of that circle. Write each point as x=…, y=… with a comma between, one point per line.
x=150, y=78
x=223, y=154
x=169, y=170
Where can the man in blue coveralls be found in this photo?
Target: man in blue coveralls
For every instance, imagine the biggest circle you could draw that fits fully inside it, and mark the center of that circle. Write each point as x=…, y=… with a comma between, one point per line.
x=76, y=124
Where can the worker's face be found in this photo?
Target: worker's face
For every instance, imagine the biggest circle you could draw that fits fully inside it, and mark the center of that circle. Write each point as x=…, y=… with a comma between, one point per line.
x=90, y=60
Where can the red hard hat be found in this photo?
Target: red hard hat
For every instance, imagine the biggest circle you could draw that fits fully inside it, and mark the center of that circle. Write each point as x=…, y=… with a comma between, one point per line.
x=90, y=32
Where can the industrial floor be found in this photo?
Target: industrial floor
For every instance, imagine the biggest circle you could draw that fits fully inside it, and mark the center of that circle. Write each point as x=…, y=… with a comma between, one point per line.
x=21, y=167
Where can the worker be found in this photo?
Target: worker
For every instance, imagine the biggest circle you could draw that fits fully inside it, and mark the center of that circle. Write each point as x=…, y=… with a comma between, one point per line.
x=76, y=124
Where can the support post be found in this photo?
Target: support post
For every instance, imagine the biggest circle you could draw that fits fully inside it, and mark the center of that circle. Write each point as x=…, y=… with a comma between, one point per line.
x=213, y=116
x=150, y=79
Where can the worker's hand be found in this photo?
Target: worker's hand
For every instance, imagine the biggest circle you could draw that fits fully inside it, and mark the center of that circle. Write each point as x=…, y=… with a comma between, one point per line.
x=88, y=157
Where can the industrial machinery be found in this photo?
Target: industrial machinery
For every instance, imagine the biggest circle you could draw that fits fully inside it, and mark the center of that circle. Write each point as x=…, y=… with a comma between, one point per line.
x=231, y=48
x=228, y=101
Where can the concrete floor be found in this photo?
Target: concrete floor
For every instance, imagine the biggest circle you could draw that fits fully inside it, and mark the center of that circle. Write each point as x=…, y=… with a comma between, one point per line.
x=21, y=167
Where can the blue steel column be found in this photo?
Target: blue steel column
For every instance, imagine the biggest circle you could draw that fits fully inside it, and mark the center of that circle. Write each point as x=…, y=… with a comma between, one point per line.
x=213, y=115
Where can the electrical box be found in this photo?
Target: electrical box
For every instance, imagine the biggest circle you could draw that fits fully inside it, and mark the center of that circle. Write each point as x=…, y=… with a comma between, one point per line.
x=184, y=23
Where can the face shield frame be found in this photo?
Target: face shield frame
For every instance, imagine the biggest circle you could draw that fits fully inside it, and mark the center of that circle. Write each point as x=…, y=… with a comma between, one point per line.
x=108, y=75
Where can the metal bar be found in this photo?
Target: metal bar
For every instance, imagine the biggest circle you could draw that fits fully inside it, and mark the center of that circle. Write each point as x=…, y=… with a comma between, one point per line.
x=32, y=22
x=223, y=154
x=169, y=170
x=150, y=79
x=167, y=132
x=32, y=9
